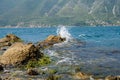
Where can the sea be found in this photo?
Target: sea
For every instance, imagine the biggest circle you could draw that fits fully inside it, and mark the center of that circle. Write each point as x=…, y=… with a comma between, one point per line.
x=94, y=50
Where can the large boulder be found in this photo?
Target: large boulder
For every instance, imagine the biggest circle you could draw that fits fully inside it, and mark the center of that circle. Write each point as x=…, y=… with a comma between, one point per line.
x=51, y=40
x=8, y=40
x=19, y=53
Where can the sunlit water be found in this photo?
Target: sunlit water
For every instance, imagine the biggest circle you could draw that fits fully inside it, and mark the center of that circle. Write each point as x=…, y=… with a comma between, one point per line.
x=95, y=50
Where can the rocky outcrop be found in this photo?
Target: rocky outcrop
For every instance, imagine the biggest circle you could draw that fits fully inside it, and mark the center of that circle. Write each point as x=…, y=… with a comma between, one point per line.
x=20, y=53
x=112, y=78
x=8, y=40
x=50, y=40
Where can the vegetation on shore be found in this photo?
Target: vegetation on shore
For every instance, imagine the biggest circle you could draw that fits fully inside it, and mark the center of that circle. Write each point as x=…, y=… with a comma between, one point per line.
x=43, y=61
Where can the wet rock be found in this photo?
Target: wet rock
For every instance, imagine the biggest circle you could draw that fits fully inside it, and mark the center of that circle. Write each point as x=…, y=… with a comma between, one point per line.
x=32, y=72
x=7, y=71
x=1, y=68
x=112, y=78
x=6, y=77
x=81, y=75
x=20, y=53
x=56, y=39
x=18, y=79
x=51, y=40
x=8, y=40
x=54, y=77
x=77, y=69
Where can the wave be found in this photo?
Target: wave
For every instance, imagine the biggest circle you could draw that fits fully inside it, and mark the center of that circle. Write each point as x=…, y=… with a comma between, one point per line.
x=64, y=33
x=65, y=60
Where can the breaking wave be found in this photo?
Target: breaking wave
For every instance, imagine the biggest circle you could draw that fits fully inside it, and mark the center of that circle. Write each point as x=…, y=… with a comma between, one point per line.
x=64, y=33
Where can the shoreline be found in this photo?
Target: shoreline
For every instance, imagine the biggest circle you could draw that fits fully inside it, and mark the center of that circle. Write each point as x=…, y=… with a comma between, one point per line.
x=60, y=70
x=59, y=26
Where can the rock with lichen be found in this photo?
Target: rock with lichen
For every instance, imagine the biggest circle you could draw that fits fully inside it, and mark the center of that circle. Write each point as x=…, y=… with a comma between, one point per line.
x=8, y=40
x=19, y=53
x=51, y=40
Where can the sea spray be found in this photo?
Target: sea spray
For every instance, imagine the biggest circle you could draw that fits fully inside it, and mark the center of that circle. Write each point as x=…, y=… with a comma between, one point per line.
x=65, y=60
x=51, y=53
x=64, y=33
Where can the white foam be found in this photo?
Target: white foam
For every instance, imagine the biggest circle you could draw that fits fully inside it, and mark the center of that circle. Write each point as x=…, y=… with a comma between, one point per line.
x=64, y=33
x=64, y=60
x=82, y=35
x=52, y=53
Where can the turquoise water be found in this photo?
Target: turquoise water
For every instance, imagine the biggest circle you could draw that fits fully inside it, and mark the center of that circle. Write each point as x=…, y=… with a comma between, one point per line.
x=95, y=50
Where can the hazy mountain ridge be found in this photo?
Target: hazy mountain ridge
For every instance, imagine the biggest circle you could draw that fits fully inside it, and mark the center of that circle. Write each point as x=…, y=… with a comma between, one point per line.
x=55, y=12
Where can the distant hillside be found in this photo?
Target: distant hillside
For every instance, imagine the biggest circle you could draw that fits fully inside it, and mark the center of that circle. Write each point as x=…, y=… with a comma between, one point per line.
x=55, y=12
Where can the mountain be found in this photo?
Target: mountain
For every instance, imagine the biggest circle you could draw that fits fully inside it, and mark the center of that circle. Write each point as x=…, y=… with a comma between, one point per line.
x=57, y=12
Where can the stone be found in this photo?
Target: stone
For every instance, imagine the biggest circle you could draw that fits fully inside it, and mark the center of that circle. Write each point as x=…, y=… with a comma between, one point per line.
x=20, y=53
x=56, y=39
x=112, y=78
x=50, y=40
x=81, y=75
x=7, y=77
x=8, y=40
x=54, y=77
x=32, y=72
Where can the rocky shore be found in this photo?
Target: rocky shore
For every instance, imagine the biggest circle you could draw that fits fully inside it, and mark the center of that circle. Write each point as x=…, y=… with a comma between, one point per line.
x=30, y=58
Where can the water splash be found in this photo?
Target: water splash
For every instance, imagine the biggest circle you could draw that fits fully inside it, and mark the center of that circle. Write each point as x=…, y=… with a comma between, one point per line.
x=64, y=33
x=65, y=60
x=51, y=53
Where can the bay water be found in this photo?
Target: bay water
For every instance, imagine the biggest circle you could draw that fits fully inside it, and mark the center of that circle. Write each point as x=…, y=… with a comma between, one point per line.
x=94, y=50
